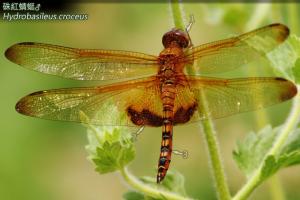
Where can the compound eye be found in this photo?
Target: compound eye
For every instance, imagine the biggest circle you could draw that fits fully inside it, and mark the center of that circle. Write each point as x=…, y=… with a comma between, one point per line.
x=176, y=35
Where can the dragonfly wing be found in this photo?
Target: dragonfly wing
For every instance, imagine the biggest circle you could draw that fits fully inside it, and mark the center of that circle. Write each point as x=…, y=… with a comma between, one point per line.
x=82, y=64
x=228, y=54
x=130, y=103
x=225, y=97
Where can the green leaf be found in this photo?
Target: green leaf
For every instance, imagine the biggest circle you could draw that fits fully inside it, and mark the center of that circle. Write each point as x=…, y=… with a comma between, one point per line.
x=173, y=182
x=250, y=154
x=110, y=148
x=288, y=156
x=272, y=165
x=112, y=157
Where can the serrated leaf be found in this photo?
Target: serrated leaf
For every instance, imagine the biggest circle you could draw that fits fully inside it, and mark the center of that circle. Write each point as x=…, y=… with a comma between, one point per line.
x=272, y=165
x=110, y=148
x=113, y=156
x=250, y=153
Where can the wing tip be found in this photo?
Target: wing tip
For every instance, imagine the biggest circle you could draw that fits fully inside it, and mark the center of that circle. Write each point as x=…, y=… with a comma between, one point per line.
x=10, y=53
x=14, y=54
x=293, y=90
x=290, y=91
x=283, y=31
x=21, y=107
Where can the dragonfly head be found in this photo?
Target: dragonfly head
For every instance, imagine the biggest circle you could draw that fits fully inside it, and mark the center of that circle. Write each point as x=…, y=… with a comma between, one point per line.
x=177, y=37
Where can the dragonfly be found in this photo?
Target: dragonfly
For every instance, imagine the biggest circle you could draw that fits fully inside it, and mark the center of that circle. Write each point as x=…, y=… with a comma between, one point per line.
x=154, y=91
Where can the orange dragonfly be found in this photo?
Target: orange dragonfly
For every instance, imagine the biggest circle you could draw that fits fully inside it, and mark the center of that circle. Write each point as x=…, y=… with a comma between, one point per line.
x=161, y=94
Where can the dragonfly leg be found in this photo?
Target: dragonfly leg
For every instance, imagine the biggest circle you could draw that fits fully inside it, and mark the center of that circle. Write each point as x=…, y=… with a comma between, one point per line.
x=137, y=133
x=188, y=28
x=183, y=153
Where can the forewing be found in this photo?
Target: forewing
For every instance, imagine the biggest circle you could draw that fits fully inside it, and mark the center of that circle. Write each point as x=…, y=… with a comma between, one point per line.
x=227, y=97
x=82, y=64
x=228, y=54
x=107, y=105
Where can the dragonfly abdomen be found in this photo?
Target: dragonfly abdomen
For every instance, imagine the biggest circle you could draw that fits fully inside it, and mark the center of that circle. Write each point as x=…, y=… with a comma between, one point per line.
x=168, y=99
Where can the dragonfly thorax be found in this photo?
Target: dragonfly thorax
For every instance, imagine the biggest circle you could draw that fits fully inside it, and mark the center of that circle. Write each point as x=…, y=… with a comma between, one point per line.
x=170, y=57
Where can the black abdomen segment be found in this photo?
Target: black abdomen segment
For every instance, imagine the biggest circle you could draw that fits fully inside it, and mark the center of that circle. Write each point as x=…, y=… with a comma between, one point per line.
x=165, y=150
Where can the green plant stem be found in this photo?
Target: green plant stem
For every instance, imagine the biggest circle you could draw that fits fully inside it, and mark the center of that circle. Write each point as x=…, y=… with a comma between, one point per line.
x=207, y=125
x=291, y=122
x=214, y=154
x=177, y=13
x=149, y=190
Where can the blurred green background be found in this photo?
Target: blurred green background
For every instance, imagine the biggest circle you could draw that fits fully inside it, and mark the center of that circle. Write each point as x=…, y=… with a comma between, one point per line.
x=46, y=160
